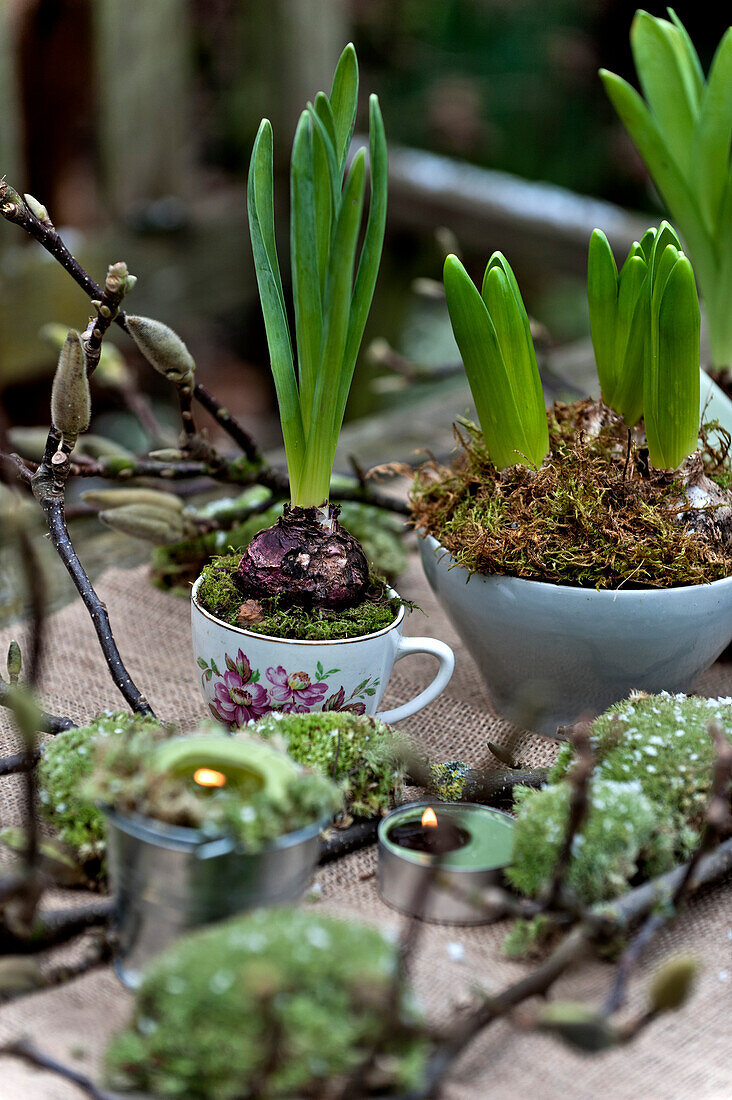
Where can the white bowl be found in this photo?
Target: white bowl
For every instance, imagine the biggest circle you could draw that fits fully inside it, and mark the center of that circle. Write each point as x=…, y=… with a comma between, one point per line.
x=550, y=654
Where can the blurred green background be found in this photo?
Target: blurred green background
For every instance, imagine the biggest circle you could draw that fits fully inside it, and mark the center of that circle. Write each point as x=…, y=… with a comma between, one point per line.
x=132, y=120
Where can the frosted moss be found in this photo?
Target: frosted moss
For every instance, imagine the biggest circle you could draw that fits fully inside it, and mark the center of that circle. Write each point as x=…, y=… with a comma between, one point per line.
x=361, y=753
x=662, y=742
x=279, y=1003
x=607, y=852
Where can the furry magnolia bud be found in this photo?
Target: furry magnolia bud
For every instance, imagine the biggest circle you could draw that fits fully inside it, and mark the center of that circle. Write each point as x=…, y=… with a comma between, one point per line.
x=145, y=521
x=672, y=983
x=579, y=1025
x=163, y=349
x=37, y=208
x=167, y=454
x=70, y=398
x=14, y=662
x=120, y=498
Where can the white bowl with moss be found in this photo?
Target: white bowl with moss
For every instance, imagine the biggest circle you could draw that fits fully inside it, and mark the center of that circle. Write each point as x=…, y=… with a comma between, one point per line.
x=550, y=653
x=341, y=662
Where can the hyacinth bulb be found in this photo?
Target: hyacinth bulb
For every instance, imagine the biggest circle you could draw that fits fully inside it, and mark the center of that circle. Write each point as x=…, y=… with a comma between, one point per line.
x=305, y=559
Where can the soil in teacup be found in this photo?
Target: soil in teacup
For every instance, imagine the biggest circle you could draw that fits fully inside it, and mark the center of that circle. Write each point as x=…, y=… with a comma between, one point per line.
x=219, y=594
x=593, y=515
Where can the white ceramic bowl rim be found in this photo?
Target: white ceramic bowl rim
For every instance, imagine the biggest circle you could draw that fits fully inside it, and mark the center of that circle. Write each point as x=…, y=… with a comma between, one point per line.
x=295, y=641
x=601, y=593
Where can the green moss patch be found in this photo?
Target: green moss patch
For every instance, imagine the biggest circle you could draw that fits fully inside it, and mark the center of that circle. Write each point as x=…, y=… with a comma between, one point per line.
x=583, y=518
x=278, y=1003
x=361, y=753
x=65, y=766
x=648, y=794
x=662, y=742
x=219, y=594
x=128, y=777
x=607, y=850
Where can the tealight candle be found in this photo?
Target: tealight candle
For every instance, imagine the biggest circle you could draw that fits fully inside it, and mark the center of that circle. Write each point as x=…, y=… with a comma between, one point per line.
x=209, y=777
x=432, y=861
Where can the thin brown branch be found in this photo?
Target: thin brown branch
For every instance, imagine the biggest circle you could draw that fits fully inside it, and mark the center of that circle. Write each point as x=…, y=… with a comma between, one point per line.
x=25, y=1050
x=56, y=927
x=48, y=723
x=717, y=821
x=229, y=423
x=579, y=803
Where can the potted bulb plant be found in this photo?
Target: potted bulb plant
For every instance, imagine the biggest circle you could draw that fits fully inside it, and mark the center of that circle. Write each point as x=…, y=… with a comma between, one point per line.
x=297, y=623
x=598, y=552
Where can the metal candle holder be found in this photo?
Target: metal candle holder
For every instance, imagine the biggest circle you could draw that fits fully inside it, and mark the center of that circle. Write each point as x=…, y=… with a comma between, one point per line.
x=442, y=887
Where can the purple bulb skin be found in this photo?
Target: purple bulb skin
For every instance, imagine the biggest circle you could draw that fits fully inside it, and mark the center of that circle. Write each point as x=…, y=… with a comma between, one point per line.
x=305, y=562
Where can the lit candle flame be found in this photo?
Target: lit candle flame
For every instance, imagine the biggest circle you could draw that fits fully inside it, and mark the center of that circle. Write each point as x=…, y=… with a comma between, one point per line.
x=429, y=817
x=209, y=777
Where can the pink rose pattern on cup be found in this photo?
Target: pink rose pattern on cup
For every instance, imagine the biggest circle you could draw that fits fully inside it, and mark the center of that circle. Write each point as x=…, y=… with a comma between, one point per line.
x=239, y=694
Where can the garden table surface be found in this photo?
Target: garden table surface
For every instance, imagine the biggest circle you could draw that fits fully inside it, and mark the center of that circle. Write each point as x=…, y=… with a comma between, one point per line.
x=682, y=1055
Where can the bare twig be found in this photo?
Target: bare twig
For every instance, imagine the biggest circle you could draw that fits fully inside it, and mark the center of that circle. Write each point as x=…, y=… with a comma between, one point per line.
x=49, y=480
x=48, y=723
x=14, y=209
x=27, y=1052
x=579, y=803
x=56, y=927
x=717, y=822
x=229, y=423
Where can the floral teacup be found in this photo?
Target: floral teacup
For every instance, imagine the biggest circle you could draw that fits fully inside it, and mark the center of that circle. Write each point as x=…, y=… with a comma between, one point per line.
x=244, y=675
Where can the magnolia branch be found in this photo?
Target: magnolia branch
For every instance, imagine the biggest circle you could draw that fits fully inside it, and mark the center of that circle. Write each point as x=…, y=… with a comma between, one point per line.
x=48, y=484
x=14, y=209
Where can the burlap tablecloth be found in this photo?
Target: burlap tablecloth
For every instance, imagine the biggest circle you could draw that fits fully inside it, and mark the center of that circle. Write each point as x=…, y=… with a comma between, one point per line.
x=682, y=1055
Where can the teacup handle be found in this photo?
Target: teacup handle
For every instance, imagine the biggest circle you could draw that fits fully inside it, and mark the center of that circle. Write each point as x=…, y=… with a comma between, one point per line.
x=444, y=655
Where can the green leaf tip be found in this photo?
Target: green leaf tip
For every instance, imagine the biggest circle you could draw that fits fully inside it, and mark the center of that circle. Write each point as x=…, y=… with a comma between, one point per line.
x=681, y=126
x=332, y=285
x=492, y=332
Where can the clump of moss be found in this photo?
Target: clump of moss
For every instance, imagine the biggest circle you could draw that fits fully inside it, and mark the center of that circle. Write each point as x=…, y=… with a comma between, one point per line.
x=219, y=594
x=65, y=765
x=662, y=742
x=584, y=518
x=361, y=753
x=607, y=851
x=130, y=777
x=529, y=938
x=447, y=779
x=275, y=1003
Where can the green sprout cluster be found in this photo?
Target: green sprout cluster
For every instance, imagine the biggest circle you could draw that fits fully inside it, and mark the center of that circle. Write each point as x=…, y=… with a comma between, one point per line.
x=277, y=1003
x=66, y=763
x=332, y=289
x=361, y=753
x=682, y=131
x=492, y=331
x=645, y=334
